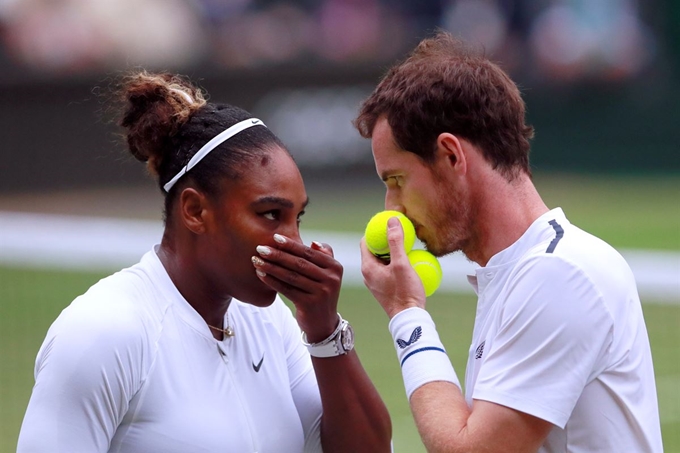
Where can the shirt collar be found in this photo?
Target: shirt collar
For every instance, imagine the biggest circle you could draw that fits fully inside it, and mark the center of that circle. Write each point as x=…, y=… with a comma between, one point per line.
x=172, y=295
x=539, y=231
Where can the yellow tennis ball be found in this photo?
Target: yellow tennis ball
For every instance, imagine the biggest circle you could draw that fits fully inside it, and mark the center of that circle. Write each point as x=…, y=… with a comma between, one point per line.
x=428, y=269
x=376, y=233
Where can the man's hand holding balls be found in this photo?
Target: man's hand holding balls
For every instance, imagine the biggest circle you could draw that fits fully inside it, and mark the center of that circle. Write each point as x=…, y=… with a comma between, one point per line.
x=424, y=263
x=376, y=233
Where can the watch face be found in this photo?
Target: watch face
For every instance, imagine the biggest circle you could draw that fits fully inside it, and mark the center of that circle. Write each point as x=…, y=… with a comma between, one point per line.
x=348, y=338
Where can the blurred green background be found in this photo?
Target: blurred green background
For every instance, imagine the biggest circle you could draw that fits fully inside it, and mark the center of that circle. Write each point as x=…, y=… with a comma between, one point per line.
x=601, y=80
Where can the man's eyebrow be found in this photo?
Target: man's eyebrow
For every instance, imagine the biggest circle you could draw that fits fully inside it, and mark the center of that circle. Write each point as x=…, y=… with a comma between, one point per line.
x=283, y=202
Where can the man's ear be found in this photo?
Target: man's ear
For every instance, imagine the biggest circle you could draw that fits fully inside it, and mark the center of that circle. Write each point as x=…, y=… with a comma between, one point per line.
x=450, y=148
x=194, y=210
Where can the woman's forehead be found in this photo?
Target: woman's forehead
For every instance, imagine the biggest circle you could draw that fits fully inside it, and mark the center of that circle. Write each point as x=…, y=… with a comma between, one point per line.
x=273, y=175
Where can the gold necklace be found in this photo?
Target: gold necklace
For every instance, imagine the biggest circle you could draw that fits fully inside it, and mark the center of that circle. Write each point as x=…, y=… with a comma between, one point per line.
x=229, y=332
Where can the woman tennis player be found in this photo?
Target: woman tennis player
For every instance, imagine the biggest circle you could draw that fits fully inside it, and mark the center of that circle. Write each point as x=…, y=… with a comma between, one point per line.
x=192, y=350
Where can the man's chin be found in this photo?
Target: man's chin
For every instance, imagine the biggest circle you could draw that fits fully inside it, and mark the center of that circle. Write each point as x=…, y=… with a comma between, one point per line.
x=440, y=252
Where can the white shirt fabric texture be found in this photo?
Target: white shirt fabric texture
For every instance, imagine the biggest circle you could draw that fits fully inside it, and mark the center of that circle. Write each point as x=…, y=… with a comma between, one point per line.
x=131, y=367
x=559, y=334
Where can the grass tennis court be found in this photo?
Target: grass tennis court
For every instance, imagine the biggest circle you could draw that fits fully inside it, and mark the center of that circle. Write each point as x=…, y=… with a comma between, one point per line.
x=627, y=212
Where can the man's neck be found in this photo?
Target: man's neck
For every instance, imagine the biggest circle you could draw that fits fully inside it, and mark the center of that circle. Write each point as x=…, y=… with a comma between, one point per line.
x=504, y=212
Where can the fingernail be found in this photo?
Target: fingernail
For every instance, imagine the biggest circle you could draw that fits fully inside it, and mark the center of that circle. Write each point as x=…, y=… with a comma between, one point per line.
x=263, y=250
x=280, y=239
x=260, y=273
x=317, y=244
x=257, y=261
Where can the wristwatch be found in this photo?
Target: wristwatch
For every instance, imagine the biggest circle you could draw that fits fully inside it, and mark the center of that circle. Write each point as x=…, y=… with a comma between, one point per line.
x=340, y=342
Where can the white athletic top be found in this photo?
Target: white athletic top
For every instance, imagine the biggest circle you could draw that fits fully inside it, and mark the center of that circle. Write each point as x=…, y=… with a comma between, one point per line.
x=559, y=334
x=130, y=366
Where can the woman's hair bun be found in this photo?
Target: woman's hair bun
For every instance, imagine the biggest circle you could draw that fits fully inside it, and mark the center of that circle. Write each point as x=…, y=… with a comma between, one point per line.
x=156, y=106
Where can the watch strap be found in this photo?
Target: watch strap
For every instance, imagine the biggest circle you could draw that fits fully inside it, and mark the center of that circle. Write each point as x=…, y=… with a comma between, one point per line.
x=331, y=346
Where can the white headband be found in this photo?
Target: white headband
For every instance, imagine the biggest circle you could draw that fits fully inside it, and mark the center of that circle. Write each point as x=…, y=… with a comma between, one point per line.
x=212, y=144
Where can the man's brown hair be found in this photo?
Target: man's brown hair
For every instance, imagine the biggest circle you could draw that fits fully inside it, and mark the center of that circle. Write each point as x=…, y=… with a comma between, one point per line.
x=444, y=86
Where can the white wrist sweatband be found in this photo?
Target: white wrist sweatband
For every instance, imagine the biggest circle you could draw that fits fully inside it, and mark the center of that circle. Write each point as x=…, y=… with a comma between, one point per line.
x=421, y=354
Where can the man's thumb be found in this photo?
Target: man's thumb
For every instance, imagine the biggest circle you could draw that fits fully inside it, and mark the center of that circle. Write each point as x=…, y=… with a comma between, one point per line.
x=395, y=238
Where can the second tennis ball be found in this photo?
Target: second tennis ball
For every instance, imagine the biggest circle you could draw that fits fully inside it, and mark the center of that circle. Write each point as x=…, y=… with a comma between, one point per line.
x=428, y=269
x=376, y=233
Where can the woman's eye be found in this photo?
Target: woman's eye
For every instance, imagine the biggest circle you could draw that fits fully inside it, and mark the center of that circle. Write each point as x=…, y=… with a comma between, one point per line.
x=271, y=215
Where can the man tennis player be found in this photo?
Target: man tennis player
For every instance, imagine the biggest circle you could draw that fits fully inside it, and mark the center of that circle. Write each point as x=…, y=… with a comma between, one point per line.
x=560, y=358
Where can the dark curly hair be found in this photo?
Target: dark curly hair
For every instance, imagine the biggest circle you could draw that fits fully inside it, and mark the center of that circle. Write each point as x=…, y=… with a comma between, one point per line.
x=444, y=86
x=167, y=120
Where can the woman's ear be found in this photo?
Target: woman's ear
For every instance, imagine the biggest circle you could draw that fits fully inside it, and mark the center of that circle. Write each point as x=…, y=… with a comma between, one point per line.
x=194, y=210
x=450, y=148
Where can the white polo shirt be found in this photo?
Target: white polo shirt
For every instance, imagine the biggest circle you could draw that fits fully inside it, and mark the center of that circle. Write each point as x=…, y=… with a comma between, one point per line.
x=130, y=366
x=559, y=334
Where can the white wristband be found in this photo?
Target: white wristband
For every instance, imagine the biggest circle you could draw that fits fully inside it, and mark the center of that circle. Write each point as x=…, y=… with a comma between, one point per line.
x=421, y=354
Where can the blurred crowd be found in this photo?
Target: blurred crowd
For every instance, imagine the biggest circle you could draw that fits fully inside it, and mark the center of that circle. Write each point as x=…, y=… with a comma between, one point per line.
x=555, y=40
